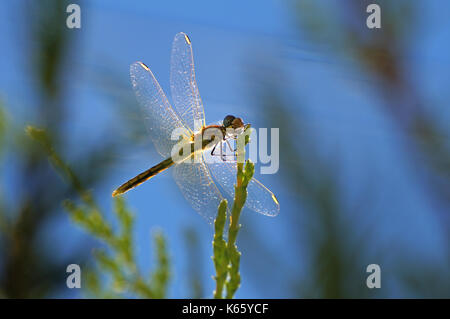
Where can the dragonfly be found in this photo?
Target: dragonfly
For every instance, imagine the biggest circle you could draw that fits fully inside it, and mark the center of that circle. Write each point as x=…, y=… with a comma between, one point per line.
x=199, y=180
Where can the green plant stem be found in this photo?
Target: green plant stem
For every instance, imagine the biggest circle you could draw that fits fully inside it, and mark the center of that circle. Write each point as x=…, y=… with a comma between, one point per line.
x=118, y=259
x=226, y=255
x=243, y=178
x=220, y=257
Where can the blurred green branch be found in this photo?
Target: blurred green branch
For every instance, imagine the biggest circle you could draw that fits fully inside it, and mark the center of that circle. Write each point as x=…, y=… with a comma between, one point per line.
x=382, y=55
x=416, y=113
x=226, y=255
x=194, y=269
x=117, y=260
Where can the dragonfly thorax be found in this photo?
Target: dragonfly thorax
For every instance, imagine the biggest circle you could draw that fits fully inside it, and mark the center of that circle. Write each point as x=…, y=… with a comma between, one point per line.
x=212, y=133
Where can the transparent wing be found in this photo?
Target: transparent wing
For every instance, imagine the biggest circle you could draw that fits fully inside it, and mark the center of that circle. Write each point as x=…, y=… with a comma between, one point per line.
x=160, y=118
x=199, y=189
x=185, y=96
x=259, y=198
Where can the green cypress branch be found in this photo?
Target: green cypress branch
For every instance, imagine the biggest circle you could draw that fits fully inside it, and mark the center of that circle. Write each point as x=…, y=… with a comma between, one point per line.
x=226, y=255
x=117, y=260
x=161, y=276
x=220, y=256
x=244, y=177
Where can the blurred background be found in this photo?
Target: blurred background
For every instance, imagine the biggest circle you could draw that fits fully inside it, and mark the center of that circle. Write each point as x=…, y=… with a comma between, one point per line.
x=364, y=141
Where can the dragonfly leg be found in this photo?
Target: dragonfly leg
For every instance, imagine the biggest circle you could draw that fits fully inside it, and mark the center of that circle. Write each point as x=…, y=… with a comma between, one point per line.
x=221, y=151
x=224, y=157
x=212, y=151
x=229, y=146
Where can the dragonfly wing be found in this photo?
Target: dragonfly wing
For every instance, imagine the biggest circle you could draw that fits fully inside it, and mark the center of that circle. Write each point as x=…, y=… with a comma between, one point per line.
x=185, y=96
x=197, y=186
x=161, y=119
x=259, y=198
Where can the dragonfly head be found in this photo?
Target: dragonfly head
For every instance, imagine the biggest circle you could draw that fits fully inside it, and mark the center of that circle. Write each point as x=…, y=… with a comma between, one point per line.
x=231, y=121
x=234, y=123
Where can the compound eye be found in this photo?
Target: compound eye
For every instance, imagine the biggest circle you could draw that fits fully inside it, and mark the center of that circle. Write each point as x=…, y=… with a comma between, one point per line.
x=228, y=120
x=237, y=123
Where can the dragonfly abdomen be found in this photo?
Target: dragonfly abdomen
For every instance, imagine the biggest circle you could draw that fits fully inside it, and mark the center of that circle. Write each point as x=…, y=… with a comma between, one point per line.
x=144, y=176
